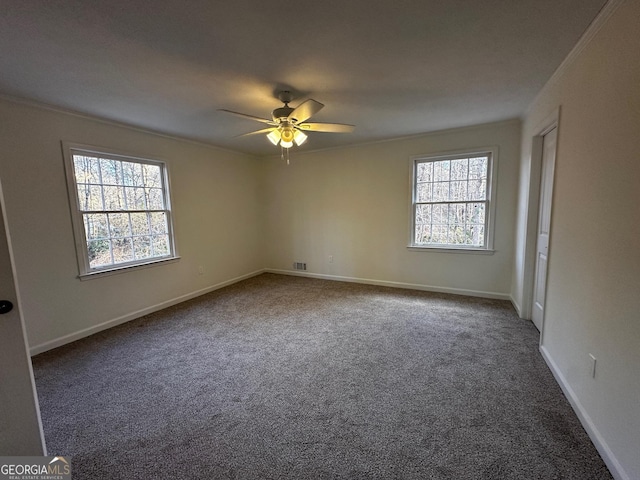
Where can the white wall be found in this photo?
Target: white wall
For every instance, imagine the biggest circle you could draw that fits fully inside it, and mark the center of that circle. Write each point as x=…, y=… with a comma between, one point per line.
x=217, y=219
x=354, y=203
x=593, y=300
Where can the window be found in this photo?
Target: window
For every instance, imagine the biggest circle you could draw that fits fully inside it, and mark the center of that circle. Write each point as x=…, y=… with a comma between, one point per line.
x=120, y=209
x=452, y=206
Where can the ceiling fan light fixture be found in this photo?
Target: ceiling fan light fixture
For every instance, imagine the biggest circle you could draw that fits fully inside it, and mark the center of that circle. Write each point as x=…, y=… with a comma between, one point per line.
x=287, y=123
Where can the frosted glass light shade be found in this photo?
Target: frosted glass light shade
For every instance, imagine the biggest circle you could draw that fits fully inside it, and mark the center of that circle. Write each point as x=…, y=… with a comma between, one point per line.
x=274, y=137
x=299, y=137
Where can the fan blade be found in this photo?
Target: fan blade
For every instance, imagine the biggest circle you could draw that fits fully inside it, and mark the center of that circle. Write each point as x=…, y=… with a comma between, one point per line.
x=326, y=127
x=257, y=132
x=304, y=111
x=250, y=117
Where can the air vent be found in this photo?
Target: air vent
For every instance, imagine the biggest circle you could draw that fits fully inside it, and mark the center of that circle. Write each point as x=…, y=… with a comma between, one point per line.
x=299, y=266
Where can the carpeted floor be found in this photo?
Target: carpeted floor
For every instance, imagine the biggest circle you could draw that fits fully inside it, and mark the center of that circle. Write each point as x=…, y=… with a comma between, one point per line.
x=282, y=377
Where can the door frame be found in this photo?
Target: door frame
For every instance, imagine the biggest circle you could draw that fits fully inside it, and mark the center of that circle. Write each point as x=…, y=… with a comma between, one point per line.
x=533, y=207
x=34, y=442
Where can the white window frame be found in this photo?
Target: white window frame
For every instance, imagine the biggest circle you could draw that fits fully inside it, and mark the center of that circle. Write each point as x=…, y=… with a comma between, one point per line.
x=85, y=270
x=492, y=167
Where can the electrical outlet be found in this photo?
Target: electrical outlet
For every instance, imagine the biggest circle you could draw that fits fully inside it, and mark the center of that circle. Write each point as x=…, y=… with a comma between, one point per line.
x=330, y=258
x=593, y=365
x=200, y=270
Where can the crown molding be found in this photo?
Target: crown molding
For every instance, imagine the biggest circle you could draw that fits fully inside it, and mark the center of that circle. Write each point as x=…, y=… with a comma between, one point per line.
x=594, y=27
x=115, y=123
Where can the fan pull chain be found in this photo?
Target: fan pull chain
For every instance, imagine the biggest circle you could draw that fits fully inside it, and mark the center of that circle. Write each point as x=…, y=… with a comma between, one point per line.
x=282, y=151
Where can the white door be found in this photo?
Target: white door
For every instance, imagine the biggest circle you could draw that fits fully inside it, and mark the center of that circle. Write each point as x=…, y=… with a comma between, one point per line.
x=20, y=426
x=544, y=223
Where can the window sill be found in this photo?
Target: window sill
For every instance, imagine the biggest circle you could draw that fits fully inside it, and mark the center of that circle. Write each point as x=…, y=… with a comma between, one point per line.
x=475, y=251
x=126, y=268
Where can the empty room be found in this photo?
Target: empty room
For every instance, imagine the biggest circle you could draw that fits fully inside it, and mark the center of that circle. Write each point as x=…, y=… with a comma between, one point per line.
x=252, y=240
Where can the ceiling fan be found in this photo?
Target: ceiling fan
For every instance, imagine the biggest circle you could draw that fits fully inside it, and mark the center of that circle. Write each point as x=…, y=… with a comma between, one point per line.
x=288, y=125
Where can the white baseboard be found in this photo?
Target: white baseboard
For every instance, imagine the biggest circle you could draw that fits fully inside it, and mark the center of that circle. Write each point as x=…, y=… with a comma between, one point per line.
x=72, y=337
x=607, y=455
x=385, y=283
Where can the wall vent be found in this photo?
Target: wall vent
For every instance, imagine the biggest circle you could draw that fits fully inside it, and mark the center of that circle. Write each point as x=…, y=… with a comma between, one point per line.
x=299, y=266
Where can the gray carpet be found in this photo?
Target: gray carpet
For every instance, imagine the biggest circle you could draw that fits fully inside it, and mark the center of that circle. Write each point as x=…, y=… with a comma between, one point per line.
x=282, y=377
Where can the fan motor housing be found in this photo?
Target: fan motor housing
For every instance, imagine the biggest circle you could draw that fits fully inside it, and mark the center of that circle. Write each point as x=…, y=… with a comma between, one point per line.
x=281, y=113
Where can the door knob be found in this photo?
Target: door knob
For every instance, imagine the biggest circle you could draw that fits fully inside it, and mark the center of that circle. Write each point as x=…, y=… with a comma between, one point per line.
x=5, y=306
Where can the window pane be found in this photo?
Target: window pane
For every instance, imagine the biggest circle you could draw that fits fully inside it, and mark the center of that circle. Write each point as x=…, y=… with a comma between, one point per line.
x=424, y=172
x=90, y=197
x=110, y=170
x=119, y=225
x=142, y=247
x=476, y=234
x=459, y=169
x=470, y=234
x=135, y=198
x=458, y=190
x=154, y=199
x=160, y=245
x=422, y=234
x=475, y=213
x=96, y=226
x=423, y=192
x=440, y=192
x=122, y=250
x=457, y=213
x=478, y=167
x=439, y=234
x=152, y=176
x=441, y=171
x=423, y=214
x=477, y=189
x=158, y=222
x=114, y=198
x=140, y=223
x=87, y=169
x=132, y=174
x=457, y=235
x=99, y=253
x=440, y=214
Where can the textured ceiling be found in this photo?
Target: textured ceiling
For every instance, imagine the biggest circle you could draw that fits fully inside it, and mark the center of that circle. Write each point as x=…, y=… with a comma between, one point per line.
x=391, y=68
